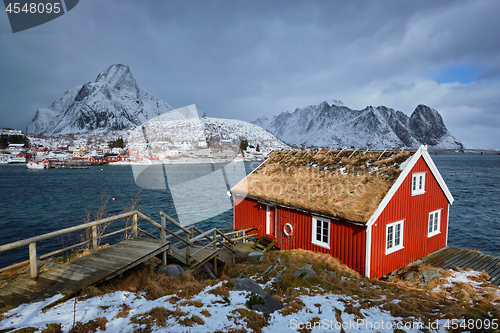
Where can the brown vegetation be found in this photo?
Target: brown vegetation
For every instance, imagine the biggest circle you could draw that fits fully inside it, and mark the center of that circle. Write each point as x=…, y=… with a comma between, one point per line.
x=158, y=316
x=143, y=279
x=337, y=186
x=52, y=328
x=90, y=327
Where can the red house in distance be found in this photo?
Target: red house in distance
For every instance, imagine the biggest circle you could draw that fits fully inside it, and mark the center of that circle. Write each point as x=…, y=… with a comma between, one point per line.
x=374, y=211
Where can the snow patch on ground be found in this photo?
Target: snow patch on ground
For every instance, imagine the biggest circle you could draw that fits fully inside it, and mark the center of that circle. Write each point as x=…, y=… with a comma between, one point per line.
x=328, y=308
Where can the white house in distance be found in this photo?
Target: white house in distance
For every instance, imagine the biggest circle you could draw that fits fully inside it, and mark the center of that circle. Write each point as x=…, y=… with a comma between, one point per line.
x=202, y=143
x=251, y=149
x=172, y=151
x=58, y=155
x=14, y=147
x=184, y=145
x=117, y=150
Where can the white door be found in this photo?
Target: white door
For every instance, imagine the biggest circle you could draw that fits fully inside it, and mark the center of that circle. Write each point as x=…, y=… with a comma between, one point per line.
x=270, y=220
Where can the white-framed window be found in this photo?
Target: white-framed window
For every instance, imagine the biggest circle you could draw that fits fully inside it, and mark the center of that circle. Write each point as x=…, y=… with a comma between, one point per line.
x=321, y=232
x=418, y=183
x=434, y=227
x=394, y=237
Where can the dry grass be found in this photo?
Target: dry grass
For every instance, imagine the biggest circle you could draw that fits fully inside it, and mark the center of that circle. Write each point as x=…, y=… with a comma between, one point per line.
x=124, y=311
x=341, y=187
x=52, y=328
x=25, y=330
x=254, y=320
x=143, y=279
x=91, y=326
x=158, y=316
x=196, y=304
x=398, y=296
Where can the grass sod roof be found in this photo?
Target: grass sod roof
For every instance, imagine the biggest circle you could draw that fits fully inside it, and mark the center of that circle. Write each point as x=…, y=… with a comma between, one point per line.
x=347, y=185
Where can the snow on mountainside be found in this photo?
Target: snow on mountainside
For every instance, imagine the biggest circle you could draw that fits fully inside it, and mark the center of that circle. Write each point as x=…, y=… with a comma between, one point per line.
x=333, y=124
x=193, y=129
x=113, y=102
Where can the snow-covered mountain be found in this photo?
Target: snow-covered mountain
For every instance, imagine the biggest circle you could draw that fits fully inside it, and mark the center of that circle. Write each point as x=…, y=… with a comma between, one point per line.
x=112, y=102
x=193, y=129
x=333, y=124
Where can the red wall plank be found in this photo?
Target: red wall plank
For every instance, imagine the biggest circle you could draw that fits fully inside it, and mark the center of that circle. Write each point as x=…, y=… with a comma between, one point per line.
x=347, y=241
x=414, y=210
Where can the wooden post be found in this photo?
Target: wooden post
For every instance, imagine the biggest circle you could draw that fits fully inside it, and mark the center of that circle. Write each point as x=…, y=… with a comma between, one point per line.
x=33, y=263
x=188, y=254
x=134, y=226
x=94, y=239
x=162, y=230
x=164, y=258
x=215, y=266
x=214, y=247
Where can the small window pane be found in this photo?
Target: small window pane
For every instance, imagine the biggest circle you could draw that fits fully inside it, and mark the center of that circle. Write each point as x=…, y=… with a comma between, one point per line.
x=420, y=183
x=397, y=235
x=430, y=223
x=322, y=236
x=389, y=237
x=414, y=183
x=436, y=221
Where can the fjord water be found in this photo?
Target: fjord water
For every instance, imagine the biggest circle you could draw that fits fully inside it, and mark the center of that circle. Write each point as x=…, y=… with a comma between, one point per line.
x=34, y=202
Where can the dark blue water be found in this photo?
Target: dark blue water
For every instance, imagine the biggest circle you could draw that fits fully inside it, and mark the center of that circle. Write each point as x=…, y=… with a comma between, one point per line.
x=34, y=202
x=474, y=182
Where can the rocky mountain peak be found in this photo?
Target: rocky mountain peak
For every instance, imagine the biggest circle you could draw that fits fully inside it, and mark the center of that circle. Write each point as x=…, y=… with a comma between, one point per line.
x=116, y=77
x=333, y=124
x=113, y=101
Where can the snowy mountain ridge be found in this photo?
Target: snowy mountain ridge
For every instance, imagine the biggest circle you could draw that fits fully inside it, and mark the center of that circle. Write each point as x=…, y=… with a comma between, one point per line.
x=193, y=129
x=331, y=123
x=112, y=102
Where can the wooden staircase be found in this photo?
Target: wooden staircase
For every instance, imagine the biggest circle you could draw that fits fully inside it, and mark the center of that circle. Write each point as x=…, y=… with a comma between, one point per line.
x=190, y=251
x=265, y=243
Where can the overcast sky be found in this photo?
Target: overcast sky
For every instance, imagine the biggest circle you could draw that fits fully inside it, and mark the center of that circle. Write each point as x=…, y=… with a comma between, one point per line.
x=245, y=59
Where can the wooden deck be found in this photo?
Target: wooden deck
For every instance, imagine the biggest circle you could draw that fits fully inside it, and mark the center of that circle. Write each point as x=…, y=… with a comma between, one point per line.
x=104, y=264
x=450, y=257
x=71, y=277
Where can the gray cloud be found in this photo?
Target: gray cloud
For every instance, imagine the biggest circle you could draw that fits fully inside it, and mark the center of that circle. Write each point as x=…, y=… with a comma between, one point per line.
x=244, y=59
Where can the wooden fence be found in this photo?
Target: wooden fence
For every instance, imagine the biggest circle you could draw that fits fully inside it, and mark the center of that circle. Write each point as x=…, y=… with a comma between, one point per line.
x=31, y=242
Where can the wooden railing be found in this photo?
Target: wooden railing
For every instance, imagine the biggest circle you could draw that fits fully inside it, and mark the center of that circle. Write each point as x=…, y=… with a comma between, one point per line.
x=31, y=242
x=214, y=237
x=244, y=237
x=190, y=239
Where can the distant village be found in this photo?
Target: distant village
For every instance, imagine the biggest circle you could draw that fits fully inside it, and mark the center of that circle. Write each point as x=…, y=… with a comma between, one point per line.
x=84, y=149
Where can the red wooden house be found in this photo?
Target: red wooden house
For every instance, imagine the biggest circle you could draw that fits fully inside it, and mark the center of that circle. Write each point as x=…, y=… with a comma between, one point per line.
x=376, y=212
x=25, y=155
x=112, y=157
x=97, y=159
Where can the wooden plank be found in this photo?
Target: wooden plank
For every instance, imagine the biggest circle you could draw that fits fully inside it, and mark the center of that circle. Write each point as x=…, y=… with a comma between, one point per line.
x=124, y=254
x=445, y=256
x=100, y=263
x=73, y=267
x=63, y=231
x=117, y=263
x=481, y=262
x=495, y=271
x=437, y=254
x=132, y=246
x=466, y=260
x=450, y=262
x=492, y=264
x=71, y=277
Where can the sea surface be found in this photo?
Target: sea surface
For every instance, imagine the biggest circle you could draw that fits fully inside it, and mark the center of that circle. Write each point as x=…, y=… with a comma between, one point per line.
x=34, y=202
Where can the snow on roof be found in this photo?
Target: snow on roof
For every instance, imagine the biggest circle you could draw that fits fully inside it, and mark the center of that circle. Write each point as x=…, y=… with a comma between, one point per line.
x=348, y=185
